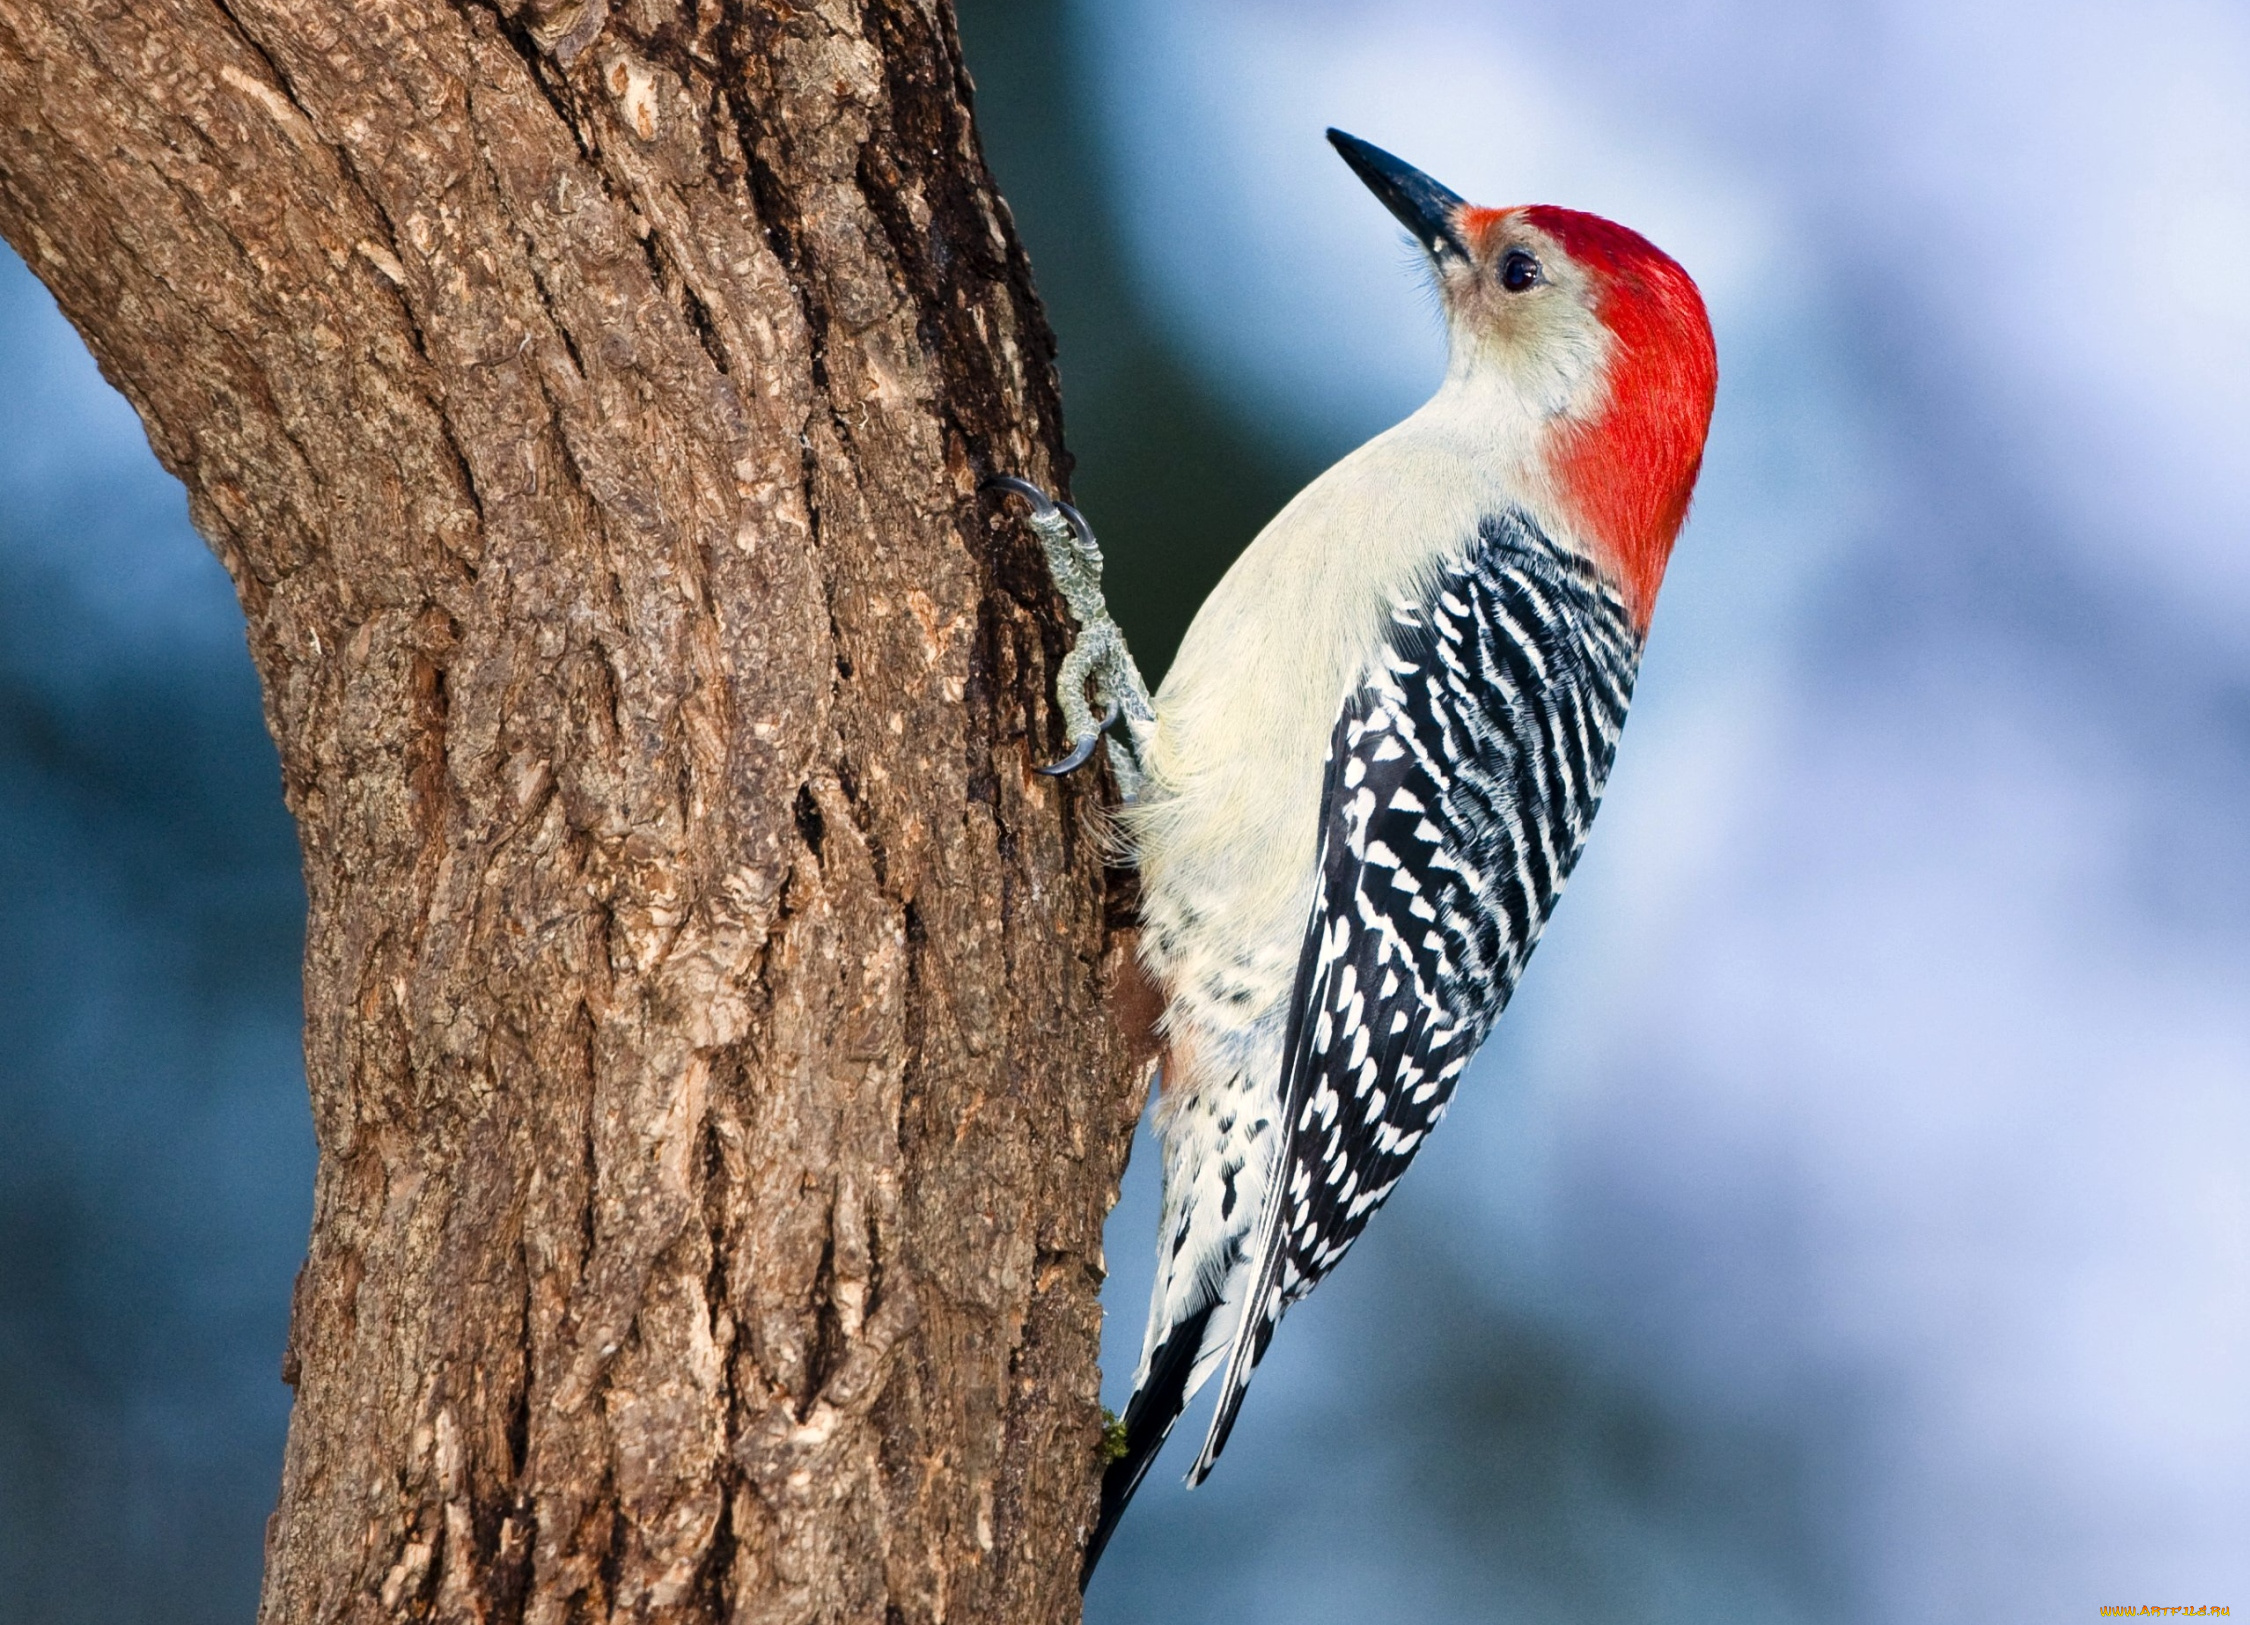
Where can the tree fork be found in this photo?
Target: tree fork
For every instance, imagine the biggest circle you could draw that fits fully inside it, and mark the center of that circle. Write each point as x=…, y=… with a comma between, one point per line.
x=716, y=1101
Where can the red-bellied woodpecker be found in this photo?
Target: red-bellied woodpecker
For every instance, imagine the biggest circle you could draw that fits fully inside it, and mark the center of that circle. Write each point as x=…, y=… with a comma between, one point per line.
x=1372, y=765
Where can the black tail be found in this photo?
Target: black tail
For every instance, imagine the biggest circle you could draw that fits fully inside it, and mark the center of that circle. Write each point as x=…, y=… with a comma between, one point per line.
x=1155, y=1406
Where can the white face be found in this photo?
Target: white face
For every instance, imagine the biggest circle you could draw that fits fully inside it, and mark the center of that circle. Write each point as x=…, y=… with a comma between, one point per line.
x=1521, y=314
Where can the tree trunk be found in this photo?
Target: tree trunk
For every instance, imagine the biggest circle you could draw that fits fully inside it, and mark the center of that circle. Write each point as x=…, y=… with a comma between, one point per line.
x=716, y=1101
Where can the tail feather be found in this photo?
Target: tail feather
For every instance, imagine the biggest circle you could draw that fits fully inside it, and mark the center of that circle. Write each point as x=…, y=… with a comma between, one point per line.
x=1218, y=1147
x=1244, y=1353
x=1156, y=1405
x=1261, y=1303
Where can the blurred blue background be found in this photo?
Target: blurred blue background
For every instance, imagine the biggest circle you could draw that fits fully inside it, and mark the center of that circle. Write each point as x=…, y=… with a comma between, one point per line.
x=1851, y=1221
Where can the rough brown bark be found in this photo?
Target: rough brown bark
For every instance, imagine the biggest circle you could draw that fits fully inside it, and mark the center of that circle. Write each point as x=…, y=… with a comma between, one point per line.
x=715, y=1103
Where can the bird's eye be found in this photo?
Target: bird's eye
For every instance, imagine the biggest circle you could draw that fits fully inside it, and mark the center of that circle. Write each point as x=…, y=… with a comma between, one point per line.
x=1518, y=271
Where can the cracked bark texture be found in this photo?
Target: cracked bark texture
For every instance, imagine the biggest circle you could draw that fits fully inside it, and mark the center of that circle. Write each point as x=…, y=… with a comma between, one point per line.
x=704, y=1004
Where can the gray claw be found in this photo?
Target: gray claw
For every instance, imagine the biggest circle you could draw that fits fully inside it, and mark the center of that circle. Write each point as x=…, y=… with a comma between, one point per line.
x=1041, y=502
x=1083, y=751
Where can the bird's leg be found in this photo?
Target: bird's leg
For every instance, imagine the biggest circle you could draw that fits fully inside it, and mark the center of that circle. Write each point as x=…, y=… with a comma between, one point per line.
x=1099, y=658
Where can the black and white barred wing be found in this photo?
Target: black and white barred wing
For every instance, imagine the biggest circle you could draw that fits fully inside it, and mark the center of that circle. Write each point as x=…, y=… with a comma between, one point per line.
x=1462, y=776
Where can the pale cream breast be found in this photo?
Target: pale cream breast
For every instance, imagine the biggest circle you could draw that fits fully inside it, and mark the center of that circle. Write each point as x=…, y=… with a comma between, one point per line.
x=1228, y=835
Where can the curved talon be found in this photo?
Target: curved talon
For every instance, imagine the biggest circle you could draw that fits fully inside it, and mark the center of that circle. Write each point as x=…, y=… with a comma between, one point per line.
x=1044, y=506
x=1080, y=754
x=1082, y=751
x=1040, y=501
x=1083, y=531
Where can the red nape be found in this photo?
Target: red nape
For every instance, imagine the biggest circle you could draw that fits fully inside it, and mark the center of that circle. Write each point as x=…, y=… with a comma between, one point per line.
x=1630, y=470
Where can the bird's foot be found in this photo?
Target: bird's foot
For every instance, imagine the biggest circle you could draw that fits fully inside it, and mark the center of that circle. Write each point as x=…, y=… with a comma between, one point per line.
x=1099, y=658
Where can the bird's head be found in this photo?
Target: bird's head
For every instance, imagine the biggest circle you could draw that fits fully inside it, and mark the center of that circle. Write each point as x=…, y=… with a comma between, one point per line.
x=1589, y=338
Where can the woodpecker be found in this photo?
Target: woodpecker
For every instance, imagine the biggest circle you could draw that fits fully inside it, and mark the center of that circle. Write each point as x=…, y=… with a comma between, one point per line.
x=1373, y=763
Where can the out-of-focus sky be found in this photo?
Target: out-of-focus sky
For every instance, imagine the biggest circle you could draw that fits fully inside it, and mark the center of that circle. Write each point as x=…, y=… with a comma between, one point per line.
x=155, y=1146
x=1851, y=1221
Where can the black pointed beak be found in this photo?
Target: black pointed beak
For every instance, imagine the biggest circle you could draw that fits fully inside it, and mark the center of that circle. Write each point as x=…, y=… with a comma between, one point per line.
x=1423, y=207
